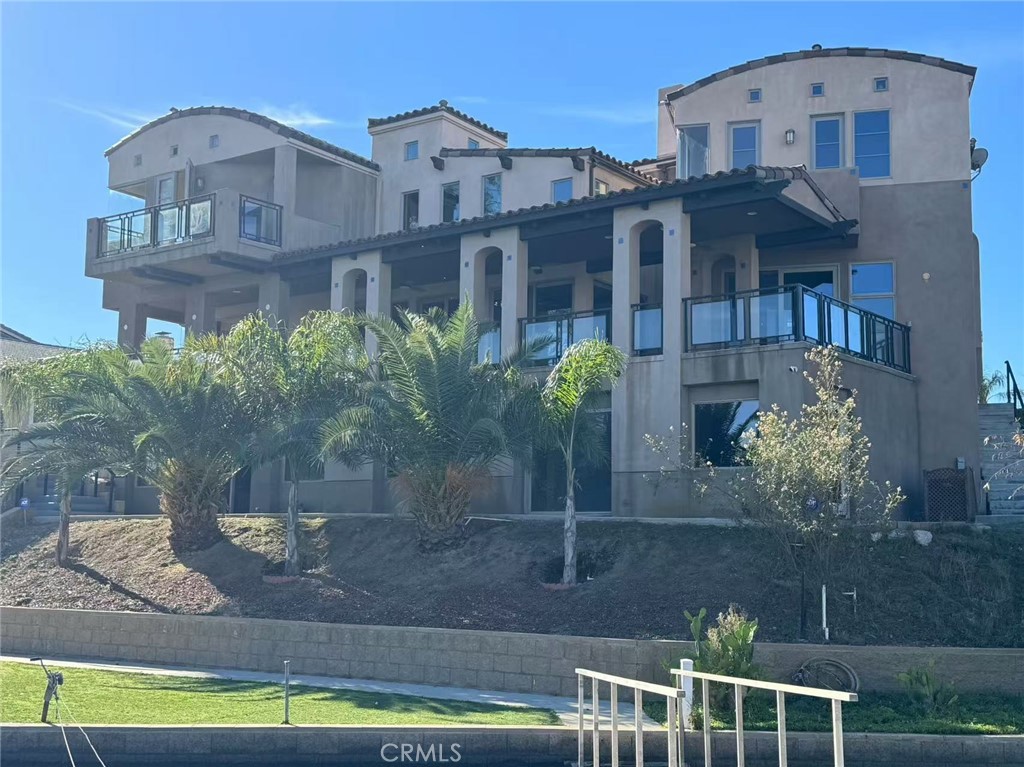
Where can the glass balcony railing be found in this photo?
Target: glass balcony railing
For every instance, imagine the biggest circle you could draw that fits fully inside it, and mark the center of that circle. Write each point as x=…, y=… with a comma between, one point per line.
x=169, y=224
x=557, y=332
x=647, y=330
x=489, y=345
x=794, y=313
x=259, y=221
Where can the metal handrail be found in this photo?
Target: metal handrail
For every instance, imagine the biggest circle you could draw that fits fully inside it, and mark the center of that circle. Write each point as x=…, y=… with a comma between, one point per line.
x=149, y=237
x=1013, y=395
x=673, y=702
x=685, y=673
x=260, y=237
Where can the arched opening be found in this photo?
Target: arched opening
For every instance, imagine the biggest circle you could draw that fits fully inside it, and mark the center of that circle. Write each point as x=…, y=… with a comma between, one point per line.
x=647, y=246
x=486, y=298
x=353, y=291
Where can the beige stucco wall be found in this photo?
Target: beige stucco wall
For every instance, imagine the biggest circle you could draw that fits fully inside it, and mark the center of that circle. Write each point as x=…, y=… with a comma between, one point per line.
x=929, y=113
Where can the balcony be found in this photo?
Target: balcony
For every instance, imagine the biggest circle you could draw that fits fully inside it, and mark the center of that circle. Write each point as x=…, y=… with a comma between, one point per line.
x=794, y=313
x=647, y=330
x=171, y=224
x=557, y=332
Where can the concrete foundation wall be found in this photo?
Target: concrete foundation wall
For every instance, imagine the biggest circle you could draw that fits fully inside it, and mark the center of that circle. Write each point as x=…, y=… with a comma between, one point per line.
x=479, y=659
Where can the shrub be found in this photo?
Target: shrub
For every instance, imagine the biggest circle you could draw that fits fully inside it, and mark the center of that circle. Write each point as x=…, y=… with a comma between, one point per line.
x=927, y=692
x=727, y=649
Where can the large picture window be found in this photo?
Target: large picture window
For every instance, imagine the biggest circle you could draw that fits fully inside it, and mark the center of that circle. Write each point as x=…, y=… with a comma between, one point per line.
x=828, y=141
x=744, y=142
x=693, y=151
x=871, y=144
x=718, y=431
x=873, y=287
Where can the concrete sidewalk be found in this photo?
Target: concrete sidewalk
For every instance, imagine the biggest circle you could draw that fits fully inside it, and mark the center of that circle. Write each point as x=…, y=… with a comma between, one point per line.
x=564, y=708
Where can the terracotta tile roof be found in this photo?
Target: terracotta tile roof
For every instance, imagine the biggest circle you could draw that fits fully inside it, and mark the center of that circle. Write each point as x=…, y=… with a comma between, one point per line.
x=663, y=190
x=824, y=53
x=551, y=152
x=442, y=106
x=272, y=125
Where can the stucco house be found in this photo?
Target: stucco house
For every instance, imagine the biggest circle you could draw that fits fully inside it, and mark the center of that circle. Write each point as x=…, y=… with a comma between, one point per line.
x=820, y=196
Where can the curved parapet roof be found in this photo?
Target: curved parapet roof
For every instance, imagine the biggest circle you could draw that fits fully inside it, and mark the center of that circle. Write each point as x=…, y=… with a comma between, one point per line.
x=824, y=53
x=243, y=114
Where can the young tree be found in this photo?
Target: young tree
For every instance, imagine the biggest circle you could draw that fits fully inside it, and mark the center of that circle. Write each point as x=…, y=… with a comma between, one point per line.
x=434, y=417
x=567, y=402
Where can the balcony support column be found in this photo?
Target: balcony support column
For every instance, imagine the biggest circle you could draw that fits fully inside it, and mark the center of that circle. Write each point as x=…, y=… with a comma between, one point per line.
x=274, y=298
x=473, y=252
x=199, y=314
x=625, y=277
x=131, y=325
x=515, y=262
x=748, y=263
x=677, y=282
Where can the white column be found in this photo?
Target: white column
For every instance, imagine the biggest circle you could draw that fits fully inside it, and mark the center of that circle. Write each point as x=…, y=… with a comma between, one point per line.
x=285, y=170
x=582, y=289
x=677, y=279
x=515, y=264
x=625, y=277
x=473, y=274
x=199, y=317
x=748, y=262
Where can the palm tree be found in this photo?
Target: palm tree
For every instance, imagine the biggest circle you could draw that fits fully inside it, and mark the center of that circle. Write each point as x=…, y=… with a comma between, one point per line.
x=68, y=438
x=288, y=388
x=570, y=423
x=989, y=386
x=434, y=417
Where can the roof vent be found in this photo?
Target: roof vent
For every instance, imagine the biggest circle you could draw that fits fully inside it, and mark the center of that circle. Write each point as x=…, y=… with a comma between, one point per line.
x=816, y=47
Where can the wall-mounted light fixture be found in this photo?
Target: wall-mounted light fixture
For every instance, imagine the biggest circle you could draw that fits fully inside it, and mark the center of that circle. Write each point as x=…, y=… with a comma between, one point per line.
x=790, y=136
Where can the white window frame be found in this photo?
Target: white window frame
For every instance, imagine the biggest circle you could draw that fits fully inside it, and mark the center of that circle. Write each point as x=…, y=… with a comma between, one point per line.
x=405, y=150
x=599, y=183
x=853, y=138
x=841, y=117
x=750, y=96
x=757, y=140
x=817, y=95
x=405, y=196
x=458, y=206
x=684, y=171
x=892, y=295
x=472, y=143
x=214, y=140
x=561, y=181
x=876, y=80
x=483, y=193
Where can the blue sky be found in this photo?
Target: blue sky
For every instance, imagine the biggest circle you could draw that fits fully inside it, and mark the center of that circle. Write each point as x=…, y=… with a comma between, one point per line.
x=75, y=78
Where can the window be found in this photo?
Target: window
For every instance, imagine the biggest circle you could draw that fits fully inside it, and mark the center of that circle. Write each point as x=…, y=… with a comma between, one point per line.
x=492, y=194
x=881, y=84
x=411, y=210
x=600, y=187
x=137, y=160
x=561, y=190
x=693, y=150
x=214, y=141
x=174, y=151
x=412, y=150
x=817, y=89
x=450, y=202
x=871, y=143
x=828, y=141
x=472, y=144
x=306, y=472
x=744, y=140
x=873, y=287
x=754, y=95
x=718, y=429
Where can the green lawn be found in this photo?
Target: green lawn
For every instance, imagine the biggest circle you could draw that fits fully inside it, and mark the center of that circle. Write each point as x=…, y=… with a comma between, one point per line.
x=112, y=697
x=874, y=712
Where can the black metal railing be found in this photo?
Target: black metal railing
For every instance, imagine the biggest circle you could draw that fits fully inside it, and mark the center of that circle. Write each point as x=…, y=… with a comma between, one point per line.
x=168, y=224
x=794, y=313
x=560, y=331
x=1013, y=395
x=259, y=220
x=648, y=330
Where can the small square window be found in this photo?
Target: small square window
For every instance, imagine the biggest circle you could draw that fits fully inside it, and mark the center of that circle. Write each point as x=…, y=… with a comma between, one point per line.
x=412, y=150
x=881, y=84
x=137, y=160
x=174, y=151
x=214, y=141
x=561, y=190
x=600, y=187
x=817, y=89
x=754, y=95
x=472, y=144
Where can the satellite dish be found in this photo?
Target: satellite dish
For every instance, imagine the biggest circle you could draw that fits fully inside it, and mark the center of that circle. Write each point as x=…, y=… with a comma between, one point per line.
x=978, y=157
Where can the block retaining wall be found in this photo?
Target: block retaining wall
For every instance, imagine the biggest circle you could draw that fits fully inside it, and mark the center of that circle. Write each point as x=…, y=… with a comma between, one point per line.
x=486, y=660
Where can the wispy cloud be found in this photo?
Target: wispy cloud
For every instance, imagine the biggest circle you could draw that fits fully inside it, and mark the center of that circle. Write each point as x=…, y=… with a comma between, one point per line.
x=116, y=116
x=624, y=115
x=471, y=100
x=297, y=116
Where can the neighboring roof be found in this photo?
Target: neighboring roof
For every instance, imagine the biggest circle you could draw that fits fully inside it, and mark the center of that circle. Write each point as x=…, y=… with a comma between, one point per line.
x=612, y=199
x=20, y=350
x=824, y=53
x=10, y=334
x=272, y=125
x=590, y=151
x=441, y=106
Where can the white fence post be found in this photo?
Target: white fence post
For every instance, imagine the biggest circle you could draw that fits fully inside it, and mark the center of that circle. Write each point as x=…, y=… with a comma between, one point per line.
x=837, y=733
x=638, y=720
x=614, y=701
x=686, y=685
x=579, y=723
x=596, y=702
